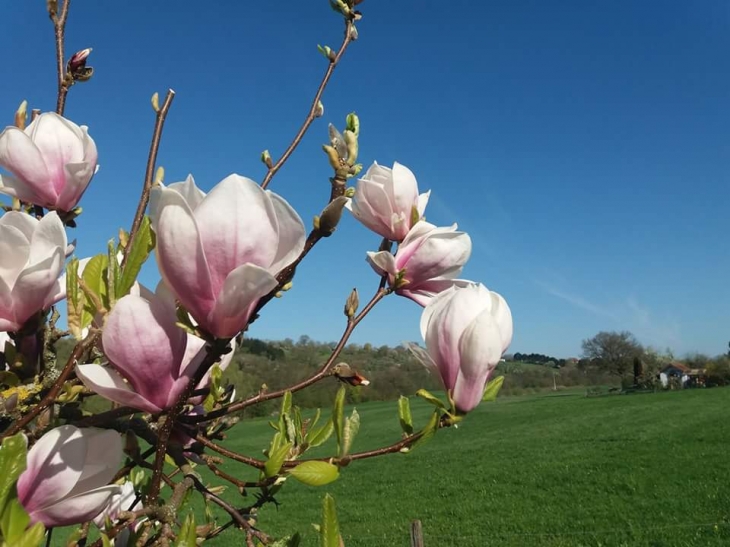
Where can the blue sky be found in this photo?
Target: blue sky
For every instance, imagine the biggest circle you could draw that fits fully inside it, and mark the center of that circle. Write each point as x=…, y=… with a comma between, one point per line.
x=583, y=145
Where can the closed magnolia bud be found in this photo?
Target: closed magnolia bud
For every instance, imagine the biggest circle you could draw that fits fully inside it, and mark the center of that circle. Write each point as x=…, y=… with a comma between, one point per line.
x=21, y=115
x=319, y=110
x=77, y=68
x=337, y=141
x=266, y=159
x=352, y=147
x=353, y=302
x=156, y=102
x=332, y=156
x=331, y=215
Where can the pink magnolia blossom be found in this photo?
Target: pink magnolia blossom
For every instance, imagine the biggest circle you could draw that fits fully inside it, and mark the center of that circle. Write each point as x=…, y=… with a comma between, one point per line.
x=151, y=359
x=387, y=201
x=219, y=253
x=66, y=480
x=32, y=255
x=51, y=162
x=426, y=262
x=466, y=330
x=125, y=499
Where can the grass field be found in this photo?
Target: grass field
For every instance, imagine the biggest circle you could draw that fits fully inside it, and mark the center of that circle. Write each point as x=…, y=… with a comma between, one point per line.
x=562, y=470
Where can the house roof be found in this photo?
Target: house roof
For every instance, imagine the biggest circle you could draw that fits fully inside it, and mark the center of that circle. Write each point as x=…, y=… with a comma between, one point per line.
x=676, y=365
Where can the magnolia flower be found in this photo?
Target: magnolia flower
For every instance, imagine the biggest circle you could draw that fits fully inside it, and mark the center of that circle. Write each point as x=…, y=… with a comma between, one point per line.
x=387, y=201
x=125, y=499
x=151, y=373
x=32, y=255
x=220, y=253
x=66, y=480
x=466, y=330
x=52, y=162
x=426, y=263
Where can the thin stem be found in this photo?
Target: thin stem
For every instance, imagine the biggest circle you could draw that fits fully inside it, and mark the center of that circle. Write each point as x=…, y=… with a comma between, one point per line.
x=321, y=373
x=253, y=462
x=312, y=114
x=59, y=26
x=50, y=397
x=150, y=171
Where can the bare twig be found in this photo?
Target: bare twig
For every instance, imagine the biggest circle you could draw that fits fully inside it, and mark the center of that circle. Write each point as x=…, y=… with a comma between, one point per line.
x=150, y=171
x=59, y=26
x=312, y=114
x=321, y=373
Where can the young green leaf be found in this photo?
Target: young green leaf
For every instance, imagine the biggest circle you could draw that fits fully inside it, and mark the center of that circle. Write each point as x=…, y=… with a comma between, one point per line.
x=74, y=299
x=404, y=414
x=13, y=522
x=187, y=536
x=321, y=434
x=429, y=431
x=315, y=473
x=142, y=245
x=113, y=274
x=427, y=396
x=330, y=529
x=352, y=425
x=94, y=277
x=12, y=464
x=276, y=460
x=32, y=537
x=492, y=389
x=338, y=418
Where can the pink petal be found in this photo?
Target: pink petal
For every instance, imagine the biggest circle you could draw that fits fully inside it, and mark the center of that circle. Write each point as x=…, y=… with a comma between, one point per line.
x=291, y=233
x=20, y=156
x=77, y=509
x=180, y=255
x=242, y=290
x=108, y=383
x=382, y=262
x=34, y=284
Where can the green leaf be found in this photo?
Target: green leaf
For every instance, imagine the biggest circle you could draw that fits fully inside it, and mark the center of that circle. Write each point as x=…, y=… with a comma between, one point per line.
x=74, y=298
x=314, y=473
x=289, y=429
x=404, y=414
x=426, y=395
x=12, y=463
x=288, y=541
x=187, y=536
x=429, y=431
x=105, y=541
x=33, y=536
x=113, y=273
x=14, y=521
x=492, y=389
x=142, y=245
x=338, y=418
x=330, y=529
x=286, y=403
x=352, y=426
x=321, y=434
x=276, y=460
x=94, y=278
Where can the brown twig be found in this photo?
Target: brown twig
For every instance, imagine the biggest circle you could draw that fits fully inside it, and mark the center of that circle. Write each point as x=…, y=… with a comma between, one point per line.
x=55, y=389
x=312, y=114
x=59, y=26
x=253, y=462
x=150, y=171
x=321, y=373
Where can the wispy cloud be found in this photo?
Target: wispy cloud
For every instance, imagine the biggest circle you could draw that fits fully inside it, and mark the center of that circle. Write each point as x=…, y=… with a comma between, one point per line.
x=577, y=300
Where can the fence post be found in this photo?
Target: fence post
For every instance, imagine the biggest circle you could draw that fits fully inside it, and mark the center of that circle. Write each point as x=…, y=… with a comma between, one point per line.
x=416, y=534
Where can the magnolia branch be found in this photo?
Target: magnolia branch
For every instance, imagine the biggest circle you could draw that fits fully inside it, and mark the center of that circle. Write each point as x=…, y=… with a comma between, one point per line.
x=150, y=171
x=55, y=389
x=59, y=25
x=313, y=110
x=321, y=373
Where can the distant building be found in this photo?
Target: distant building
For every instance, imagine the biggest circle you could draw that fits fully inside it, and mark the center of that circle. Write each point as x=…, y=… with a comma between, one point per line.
x=687, y=377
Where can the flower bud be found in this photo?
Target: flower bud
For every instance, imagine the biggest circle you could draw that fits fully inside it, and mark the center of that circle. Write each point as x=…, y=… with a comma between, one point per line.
x=156, y=102
x=21, y=115
x=352, y=303
x=353, y=123
x=337, y=141
x=266, y=159
x=331, y=216
x=319, y=110
x=344, y=373
x=77, y=68
x=332, y=156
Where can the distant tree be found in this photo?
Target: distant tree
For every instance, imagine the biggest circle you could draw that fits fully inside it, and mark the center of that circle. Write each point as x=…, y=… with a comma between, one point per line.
x=613, y=352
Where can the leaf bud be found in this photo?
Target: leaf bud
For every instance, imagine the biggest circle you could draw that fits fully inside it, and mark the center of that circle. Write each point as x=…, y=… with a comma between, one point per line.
x=21, y=115
x=352, y=303
x=352, y=147
x=266, y=159
x=156, y=102
x=331, y=215
x=319, y=110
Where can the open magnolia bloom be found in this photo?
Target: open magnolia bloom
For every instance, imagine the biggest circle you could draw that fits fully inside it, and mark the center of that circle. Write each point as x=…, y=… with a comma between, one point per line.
x=52, y=162
x=151, y=359
x=429, y=259
x=32, y=256
x=466, y=330
x=387, y=201
x=219, y=253
x=125, y=499
x=67, y=477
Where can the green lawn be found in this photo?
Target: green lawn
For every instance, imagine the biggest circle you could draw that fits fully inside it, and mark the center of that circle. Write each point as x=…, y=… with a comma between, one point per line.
x=644, y=470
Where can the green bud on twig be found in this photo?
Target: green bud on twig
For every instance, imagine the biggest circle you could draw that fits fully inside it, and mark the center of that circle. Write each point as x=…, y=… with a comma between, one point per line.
x=353, y=123
x=319, y=110
x=332, y=155
x=350, y=192
x=21, y=115
x=352, y=147
x=156, y=102
x=331, y=215
x=266, y=159
x=352, y=303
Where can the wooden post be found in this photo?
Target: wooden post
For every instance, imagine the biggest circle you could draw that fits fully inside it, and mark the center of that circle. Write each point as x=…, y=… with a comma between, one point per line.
x=416, y=534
